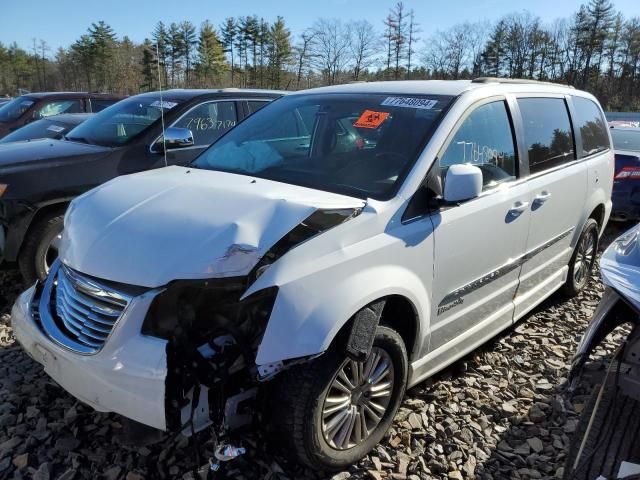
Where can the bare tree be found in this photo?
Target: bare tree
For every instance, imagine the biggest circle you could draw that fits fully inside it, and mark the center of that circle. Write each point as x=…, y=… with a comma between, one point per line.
x=364, y=46
x=412, y=38
x=302, y=54
x=330, y=48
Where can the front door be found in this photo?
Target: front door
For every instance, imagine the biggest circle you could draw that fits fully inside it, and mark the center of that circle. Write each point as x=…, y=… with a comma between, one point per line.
x=207, y=121
x=478, y=242
x=558, y=186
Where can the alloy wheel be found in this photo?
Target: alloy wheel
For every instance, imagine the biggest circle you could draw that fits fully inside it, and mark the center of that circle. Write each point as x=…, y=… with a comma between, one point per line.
x=357, y=399
x=584, y=258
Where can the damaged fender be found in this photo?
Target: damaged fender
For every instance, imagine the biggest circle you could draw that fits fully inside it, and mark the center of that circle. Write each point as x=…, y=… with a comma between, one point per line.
x=323, y=283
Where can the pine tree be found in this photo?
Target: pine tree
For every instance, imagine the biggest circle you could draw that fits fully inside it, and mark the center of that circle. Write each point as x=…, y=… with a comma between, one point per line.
x=228, y=31
x=211, y=59
x=279, y=50
x=188, y=43
x=175, y=49
x=103, y=40
x=160, y=46
x=148, y=65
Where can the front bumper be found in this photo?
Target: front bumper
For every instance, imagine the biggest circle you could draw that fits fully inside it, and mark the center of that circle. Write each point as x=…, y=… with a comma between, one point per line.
x=126, y=377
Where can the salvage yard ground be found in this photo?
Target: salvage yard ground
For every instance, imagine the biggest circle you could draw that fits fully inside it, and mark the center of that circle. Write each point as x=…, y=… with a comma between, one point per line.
x=500, y=413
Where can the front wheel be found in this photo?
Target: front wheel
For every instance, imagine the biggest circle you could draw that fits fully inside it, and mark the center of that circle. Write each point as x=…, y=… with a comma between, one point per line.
x=333, y=410
x=583, y=259
x=40, y=248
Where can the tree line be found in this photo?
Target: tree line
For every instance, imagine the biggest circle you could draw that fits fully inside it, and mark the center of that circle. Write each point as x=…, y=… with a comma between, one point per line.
x=596, y=49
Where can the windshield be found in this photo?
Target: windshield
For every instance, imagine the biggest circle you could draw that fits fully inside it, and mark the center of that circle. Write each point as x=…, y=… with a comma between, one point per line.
x=121, y=122
x=356, y=144
x=40, y=129
x=15, y=108
x=626, y=139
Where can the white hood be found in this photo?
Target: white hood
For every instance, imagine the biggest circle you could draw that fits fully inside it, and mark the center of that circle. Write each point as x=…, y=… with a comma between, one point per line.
x=179, y=223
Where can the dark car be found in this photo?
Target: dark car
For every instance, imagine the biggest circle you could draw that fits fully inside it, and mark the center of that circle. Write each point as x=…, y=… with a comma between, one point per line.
x=50, y=127
x=626, y=183
x=38, y=179
x=34, y=106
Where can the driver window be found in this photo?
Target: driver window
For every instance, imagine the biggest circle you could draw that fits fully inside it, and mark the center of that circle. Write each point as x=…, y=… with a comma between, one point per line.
x=56, y=108
x=485, y=139
x=208, y=121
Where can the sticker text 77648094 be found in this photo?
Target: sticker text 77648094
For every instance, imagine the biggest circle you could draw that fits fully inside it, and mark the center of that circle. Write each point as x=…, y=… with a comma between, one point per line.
x=410, y=102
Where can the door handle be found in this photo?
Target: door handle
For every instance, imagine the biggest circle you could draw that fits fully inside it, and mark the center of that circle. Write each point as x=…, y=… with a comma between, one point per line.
x=518, y=208
x=542, y=197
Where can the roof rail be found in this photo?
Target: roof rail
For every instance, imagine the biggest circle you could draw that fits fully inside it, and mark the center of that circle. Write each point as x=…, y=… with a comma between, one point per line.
x=516, y=81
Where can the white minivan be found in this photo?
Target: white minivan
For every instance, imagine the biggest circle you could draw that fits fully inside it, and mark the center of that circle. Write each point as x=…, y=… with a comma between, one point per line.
x=335, y=248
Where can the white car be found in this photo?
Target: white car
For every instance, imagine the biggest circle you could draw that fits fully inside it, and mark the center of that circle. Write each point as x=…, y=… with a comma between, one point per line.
x=335, y=248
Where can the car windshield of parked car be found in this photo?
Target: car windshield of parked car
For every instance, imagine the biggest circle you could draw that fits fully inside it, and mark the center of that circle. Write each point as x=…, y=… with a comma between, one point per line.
x=121, y=122
x=15, y=108
x=46, y=128
x=356, y=144
x=626, y=139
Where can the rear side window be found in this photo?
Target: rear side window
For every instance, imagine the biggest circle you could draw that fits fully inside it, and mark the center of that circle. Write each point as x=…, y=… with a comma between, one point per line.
x=547, y=132
x=255, y=105
x=593, y=128
x=97, y=105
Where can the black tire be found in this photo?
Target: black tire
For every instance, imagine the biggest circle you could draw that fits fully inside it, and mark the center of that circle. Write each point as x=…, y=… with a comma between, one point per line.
x=572, y=286
x=32, y=259
x=298, y=400
x=612, y=439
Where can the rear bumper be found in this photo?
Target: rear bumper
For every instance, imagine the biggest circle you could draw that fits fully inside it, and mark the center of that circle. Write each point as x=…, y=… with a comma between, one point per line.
x=626, y=203
x=127, y=376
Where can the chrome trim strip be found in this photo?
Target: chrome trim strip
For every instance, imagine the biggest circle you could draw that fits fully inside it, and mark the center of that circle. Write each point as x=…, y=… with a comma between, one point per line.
x=499, y=272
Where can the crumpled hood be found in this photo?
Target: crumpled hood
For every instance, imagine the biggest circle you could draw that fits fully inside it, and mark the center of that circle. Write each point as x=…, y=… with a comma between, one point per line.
x=620, y=265
x=174, y=223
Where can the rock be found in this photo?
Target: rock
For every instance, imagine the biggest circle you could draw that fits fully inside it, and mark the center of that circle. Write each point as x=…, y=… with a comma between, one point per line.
x=20, y=461
x=112, y=473
x=536, y=444
x=455, y=475
x=42, y=473
x=341, y=476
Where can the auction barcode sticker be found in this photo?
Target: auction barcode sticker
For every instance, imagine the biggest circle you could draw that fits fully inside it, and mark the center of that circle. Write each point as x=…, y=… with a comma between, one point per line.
x=410, y=102
x=163, y=104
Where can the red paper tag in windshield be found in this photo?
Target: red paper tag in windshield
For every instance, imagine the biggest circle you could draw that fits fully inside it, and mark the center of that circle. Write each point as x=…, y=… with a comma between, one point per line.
x=371, y=119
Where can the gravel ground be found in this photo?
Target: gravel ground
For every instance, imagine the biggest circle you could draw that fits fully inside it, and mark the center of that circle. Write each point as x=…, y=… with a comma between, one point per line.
x=500, y=413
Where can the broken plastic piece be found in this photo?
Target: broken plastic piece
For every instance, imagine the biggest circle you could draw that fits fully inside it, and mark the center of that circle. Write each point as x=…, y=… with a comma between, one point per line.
x=224, y=453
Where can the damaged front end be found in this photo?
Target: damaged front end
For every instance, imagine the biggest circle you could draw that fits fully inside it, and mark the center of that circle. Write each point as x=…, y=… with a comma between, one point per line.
x=213, y=333
x=212, y=338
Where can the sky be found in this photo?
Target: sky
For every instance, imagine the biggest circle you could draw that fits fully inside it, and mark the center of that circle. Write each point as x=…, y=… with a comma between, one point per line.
x=61, y=22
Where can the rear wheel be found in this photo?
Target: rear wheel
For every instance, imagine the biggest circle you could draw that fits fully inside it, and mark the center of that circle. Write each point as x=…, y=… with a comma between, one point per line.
x=583, y=259
x=40, y=248
x=333, y=410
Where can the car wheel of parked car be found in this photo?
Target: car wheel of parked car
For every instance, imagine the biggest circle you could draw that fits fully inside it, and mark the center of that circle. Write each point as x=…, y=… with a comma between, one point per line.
x=333, y=410
x=582, y=260
x=40, y=248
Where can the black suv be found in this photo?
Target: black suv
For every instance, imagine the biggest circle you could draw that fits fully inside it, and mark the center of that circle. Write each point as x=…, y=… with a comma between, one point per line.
x=38, y=179
x=34, y=106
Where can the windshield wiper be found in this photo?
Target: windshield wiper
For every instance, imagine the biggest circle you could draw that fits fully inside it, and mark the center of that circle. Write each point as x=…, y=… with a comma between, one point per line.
x=78, y=139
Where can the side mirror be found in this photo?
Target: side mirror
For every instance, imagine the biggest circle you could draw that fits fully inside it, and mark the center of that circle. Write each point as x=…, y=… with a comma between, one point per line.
x=175, y=138
x=463, y=182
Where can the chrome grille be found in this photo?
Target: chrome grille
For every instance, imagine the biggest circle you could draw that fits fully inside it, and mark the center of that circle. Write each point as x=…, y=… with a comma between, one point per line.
x=83, y=310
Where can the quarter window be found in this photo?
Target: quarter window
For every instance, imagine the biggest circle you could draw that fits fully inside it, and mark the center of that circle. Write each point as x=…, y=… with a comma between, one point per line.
x=593, y=128
x=209, y=121
x=547, y=132
x=485, y=139
x=255, y=105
